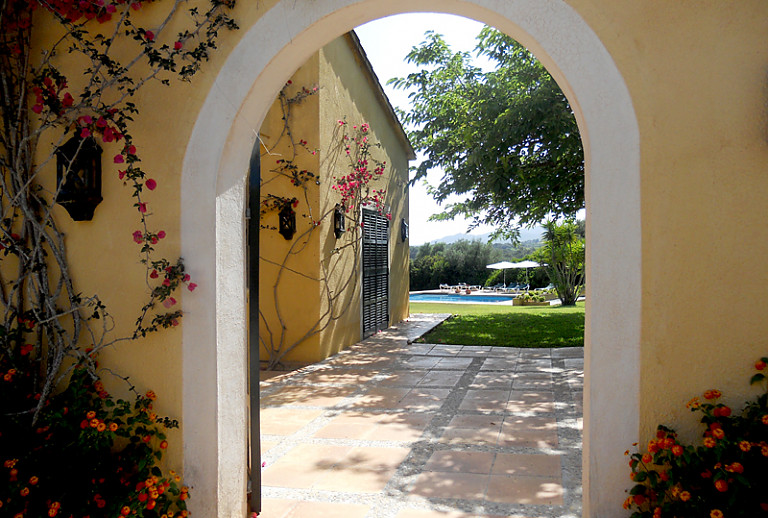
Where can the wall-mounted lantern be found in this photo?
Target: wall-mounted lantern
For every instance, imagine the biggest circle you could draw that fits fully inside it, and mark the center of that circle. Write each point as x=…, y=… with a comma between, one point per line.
x=338, y=220
x=403, y=230
x=287, y=221
x=78, y=177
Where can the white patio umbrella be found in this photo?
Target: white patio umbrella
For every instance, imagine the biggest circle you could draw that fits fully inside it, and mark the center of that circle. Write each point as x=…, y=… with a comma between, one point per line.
x=503, y=265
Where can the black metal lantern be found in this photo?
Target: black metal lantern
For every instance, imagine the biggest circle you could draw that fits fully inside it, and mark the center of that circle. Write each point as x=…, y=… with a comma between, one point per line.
x=338, y=220
x=403, y=230
x=78, y=177
x=287, y=221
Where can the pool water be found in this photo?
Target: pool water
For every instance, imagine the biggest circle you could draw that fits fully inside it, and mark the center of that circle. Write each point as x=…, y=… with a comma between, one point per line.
x=459, y=297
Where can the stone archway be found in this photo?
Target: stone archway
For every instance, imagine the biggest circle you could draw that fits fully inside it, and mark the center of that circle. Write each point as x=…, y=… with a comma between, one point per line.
x=213, y=229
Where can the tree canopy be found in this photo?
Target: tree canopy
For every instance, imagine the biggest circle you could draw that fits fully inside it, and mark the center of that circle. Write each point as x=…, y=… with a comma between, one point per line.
x=506, y=139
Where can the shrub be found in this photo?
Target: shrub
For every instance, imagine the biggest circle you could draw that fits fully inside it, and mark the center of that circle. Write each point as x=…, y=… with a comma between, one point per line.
x=85, y=454
x=724, y=477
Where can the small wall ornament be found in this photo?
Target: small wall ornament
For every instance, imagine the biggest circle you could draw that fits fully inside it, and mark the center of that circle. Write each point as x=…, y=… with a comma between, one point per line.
x=78, y=177
x=339, y=215
x=403, y=230
x=287, y=221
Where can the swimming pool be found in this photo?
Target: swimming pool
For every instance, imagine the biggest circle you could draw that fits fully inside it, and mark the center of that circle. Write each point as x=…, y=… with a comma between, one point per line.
x=459, y=297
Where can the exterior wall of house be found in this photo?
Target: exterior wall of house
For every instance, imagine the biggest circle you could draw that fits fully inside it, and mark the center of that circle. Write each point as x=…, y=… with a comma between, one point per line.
x=348, y=93
x=287, y=301
x=345, y=91
x=685, y=301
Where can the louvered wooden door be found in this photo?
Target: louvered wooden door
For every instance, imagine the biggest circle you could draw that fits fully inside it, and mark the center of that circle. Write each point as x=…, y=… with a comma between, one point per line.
x=375, y=272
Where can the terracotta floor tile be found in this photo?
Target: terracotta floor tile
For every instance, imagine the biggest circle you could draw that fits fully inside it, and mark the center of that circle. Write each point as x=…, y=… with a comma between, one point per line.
x=445, y=350
x=540, y=439
x=364, y=469
x=491, y=400
x=467, y=486
x=473, y=429
x=401, y=427
x=424, y=399
x=441, y=378
x=277, y=507
x=529, y=424
x=327, y=509
x=302, y=466
x=422, y=513
x=532, y=384
x=454, y=363
x=420, y=348
x=531, y=401
x=479, y=462
x=285, y=421
x=527, y=464
x=308, y=396
x=282, y=508
x=533, y=364
x=499, y=364
x=525, y=490
x=340, y=376
x=421, y=362
x=350, y=425
x=353, y=481
x=404, y=378
x=493, y=380
x=381, y=397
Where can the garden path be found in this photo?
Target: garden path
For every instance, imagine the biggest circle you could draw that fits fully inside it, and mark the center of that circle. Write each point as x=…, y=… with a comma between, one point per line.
x=393, y=429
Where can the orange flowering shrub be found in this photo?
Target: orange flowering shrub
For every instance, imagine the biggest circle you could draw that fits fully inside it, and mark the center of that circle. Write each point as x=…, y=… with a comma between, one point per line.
x=725, y=477
x=87, y=455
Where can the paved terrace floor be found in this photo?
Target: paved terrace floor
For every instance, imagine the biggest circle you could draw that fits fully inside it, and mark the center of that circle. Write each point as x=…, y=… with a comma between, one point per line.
x=393, y=429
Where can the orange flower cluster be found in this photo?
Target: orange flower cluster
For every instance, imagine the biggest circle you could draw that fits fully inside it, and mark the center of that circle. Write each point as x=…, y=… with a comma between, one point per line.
x=91, y=421
x=726, y=475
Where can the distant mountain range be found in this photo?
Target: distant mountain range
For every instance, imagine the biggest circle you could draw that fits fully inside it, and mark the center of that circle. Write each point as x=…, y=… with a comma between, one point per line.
x=526, y=234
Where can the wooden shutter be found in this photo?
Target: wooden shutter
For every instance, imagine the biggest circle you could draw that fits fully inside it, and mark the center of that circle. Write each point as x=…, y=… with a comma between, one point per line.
x=375, y=272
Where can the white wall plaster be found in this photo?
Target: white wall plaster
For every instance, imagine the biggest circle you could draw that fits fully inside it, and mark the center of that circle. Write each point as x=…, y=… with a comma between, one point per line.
x=213, y=237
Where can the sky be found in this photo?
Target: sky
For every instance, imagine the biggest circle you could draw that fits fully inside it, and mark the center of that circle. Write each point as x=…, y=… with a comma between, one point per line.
x=386, y=42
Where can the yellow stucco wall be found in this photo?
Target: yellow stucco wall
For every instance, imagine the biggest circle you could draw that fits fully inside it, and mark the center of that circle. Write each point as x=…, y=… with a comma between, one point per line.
x=301, y=306
x=696, y=73
x=697, y=76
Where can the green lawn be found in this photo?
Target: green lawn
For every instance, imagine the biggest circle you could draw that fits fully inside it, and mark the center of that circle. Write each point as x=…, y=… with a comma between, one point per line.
x=506, y=326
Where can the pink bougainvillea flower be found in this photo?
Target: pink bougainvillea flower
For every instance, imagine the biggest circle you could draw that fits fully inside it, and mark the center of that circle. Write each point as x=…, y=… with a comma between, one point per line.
x=142, y=207
x=153, y=275
x=186, y=277
x=111, y=8
x=161, y=234
x=119, y=159
x=85, y=119
x=149, y=35
x=170, y=301
x=138, y=236
x=166, y=282
x=177, y=45
x=150, y=184
x=37, y=108
x=68, y=100
x=101, y=122
x=192, y=286
x=85, y=132
x=121, y=174
x=131, y=149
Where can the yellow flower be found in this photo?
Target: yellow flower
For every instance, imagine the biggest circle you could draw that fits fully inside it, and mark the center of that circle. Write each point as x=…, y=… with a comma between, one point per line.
x=765, y=419
x=716, y=513
x=745, y=446
x=685, y=496
x=709, y=442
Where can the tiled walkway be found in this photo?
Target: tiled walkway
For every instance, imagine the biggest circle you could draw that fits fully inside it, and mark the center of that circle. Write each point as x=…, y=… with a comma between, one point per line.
x=390, y=429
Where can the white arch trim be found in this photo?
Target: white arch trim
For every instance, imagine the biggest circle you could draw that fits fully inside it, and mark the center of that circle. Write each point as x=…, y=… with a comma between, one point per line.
x=213, y=230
